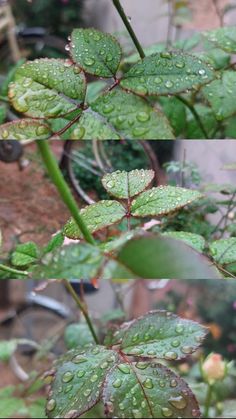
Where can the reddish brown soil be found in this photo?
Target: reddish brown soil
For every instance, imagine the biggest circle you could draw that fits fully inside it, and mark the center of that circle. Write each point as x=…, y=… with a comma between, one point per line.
x=29, y=203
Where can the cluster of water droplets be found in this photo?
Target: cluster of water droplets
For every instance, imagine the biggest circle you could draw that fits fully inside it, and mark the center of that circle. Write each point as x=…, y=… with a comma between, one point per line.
x=166, y=73
x=22, y=129
x=96, y=52
x=163, y=200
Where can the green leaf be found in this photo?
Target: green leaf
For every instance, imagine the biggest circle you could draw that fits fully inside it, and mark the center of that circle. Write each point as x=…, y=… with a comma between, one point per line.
x=224, y=250
x=208, y=119
x=70, y=262
x=94, y=90
x=3, y=113
x=12, y=407
x=55, y=242
x=220, y=94
x=162, y=335
x=96, y=52
x=194, y=240
x=7, y=349
x=96, y=216
x=131, y=116
x=124, y=185
x=162, y=200
x=80, y=376
x=144, y=390
x=92, y=126
x=215, y=57
x=47, y=88
x=230, y=129
x=25, y=254
x=77, y=335
x=224, y=38
x=25, y=129
x=167, y=73
x=155, y=257
x=175, y=112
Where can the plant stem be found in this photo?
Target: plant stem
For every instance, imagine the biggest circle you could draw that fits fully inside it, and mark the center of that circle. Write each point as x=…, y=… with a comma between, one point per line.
x=129, y=28
x=66, y=195
x=12, y=270
x=208, y=400
x=195, y=114
x=84, y=310
x=4, y=99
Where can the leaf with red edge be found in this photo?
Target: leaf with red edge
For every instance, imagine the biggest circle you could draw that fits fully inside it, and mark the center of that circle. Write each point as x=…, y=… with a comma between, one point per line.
x=47, y=88
x=25, y=129
x=147, y=390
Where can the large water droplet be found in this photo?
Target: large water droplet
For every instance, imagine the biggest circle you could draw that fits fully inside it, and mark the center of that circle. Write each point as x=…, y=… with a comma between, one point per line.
x=94, y=378
x=51, y=404
x=89, y=61
x=179, y=328
x=117, y=383
x=141, y=365
x=175, y=343
x=78, y=133
x=178, y=402
x=124, y=368
x=148, y=383
x=187, y=349
x=136, y=351
x=137, y=414
x=167, y=413
x=67, y=47
x=67, y=377
x=108, y=108
x=142, y=90
x=169, y=84
x=80, y=374
x=143, y=116
x=78, y=359
x=173, y=383
x=170, y=355
x=104, y=365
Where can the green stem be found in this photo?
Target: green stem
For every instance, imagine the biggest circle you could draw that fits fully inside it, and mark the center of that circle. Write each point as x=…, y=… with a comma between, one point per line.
x=12, y=270
x=129, y=28
x=4, y=99
x=84, y=310
x=66, y=195
x=208, y=401
x=195, y=114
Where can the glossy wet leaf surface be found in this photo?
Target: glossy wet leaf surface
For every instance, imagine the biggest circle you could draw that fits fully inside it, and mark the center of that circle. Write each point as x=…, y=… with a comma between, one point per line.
x=167, y=73
x=221, y=93
x=224, y=250
x=47, y=88
x=155, y=257
x=162, y=200
x=224, y=38
x=96, y=216
x=194, y=240
x=162, y=335
x=70, y=262
x=92, y=126
x=25, y=254
x=147, y=390
x=124, y=185
x=132, y=117
x=78, y=381
x=96, y=52
x=25, y=129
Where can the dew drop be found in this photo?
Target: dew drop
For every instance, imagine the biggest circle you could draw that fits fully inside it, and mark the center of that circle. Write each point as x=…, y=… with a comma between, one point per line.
x=67, y=377
x=202, y=72
x=121, y=406
x=80, y=374
x=104, y=365
x=169, y=84
x=108, y=108
x=124, y=368
x=178, y=402
x=173, y=383
x=78, y=133
x=148, y=383
x=175, y=343
x=139, y=131
x=158, y=80
x=5, y=134
x=67, y=47
x=117, y=383
x=179, y=328
x=142, y=90
x=135, y=337
x=141, y=365
x=137, y=414
x=180, y=64
x=170, y=355
x=143, y=116
x=136, y=351
x=87, y=392
x=187, y=349
x=89, y=61
x=51, y=404
x=94, y=378
x=167, y=413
